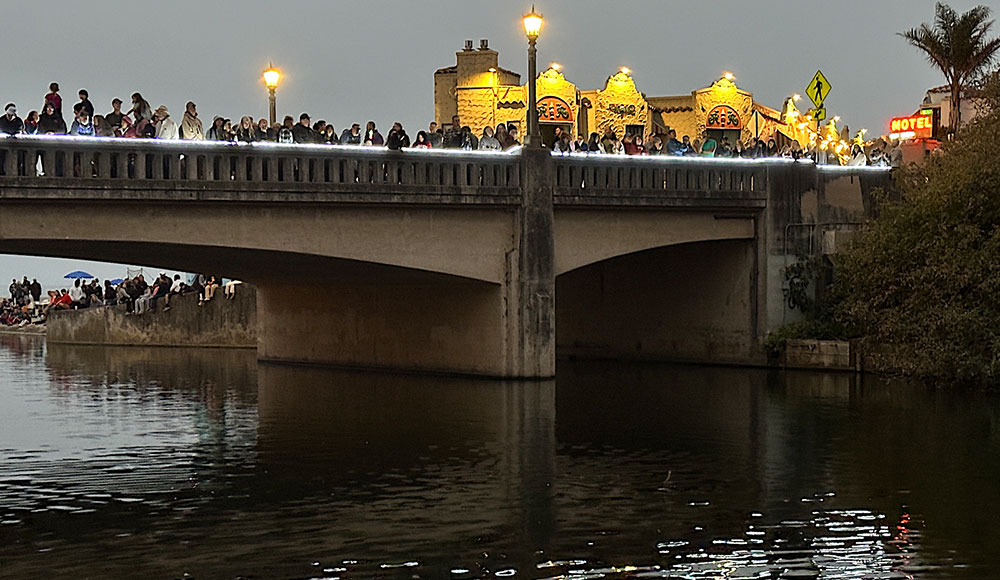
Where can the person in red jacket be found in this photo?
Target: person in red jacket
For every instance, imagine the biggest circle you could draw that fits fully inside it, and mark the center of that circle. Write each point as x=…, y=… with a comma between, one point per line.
x=60, y=302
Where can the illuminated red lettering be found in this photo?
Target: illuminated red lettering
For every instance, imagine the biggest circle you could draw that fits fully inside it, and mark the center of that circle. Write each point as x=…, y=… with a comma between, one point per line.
x=912, y=124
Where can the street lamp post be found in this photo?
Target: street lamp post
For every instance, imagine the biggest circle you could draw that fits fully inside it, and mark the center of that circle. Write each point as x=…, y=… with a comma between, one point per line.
x=271, y=77
x=532, y=25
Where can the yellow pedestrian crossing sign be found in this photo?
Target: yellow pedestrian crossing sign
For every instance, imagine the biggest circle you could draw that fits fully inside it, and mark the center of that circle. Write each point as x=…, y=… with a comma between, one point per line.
x=818, y=89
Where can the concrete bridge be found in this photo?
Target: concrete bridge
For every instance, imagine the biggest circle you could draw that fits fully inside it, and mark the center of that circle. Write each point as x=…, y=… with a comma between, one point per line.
x=472, y=263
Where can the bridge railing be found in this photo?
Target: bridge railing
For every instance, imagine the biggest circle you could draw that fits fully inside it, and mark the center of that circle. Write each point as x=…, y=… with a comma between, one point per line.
x=324, y=168
x=660, y=176
x=138, y=160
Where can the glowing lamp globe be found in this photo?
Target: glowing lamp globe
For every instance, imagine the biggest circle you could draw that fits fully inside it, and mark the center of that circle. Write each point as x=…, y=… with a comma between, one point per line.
x=532, y=24
x=271, y=77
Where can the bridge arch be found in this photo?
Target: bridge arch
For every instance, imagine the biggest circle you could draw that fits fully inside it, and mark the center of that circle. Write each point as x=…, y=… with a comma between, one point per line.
x=584, y=236
x=316, y=309
x=467, y=243
x=689, y=301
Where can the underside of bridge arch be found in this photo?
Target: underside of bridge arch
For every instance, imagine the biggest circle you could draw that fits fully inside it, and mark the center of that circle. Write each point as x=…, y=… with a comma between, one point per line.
x=330, y=311
x=257, y=266
x=688, y=302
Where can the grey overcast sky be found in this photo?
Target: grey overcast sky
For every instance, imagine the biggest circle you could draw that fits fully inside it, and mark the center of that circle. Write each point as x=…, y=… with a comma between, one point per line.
x=355, y=60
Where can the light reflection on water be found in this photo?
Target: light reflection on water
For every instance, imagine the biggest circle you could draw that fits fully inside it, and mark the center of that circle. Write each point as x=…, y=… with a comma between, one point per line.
x=198, y=462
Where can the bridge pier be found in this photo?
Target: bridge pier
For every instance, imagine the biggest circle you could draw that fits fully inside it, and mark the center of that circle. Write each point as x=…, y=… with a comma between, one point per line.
x=401, y=319
x=445, y=326
x=530, y=286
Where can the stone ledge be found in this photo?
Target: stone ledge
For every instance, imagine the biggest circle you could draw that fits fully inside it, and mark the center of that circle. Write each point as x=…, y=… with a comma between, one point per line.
x=219, y=323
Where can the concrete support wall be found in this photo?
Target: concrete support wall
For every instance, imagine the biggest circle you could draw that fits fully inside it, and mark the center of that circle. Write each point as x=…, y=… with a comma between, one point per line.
x=447, y=325
x=807, y=209
x=219, y=323
x=688, y=302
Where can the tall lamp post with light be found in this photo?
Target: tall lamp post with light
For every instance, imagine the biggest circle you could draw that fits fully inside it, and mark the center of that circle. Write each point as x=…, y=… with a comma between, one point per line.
x=532, y=26
x=271, y=78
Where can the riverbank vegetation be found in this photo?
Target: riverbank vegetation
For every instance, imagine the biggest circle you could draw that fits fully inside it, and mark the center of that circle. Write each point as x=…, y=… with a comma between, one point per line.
x=921, y=282
x=924, y=277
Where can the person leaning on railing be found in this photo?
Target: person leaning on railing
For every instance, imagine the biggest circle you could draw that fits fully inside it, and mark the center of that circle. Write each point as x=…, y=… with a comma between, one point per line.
x=488, y=141
x=10, y=123
x=83, y=125
x=397, y=139
x=190, y=128
x=421, y=142
x=50, y=122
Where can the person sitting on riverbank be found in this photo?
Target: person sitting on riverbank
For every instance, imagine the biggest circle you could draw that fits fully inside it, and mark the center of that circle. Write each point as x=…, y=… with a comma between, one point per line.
x=229, y=290
x=122, y=296
x=210, y=287
x=142, y=304
x=13, y=314
x=93, y=295
x=134, y=289
x=59, y=301
x=161, y=289
x=110, y=295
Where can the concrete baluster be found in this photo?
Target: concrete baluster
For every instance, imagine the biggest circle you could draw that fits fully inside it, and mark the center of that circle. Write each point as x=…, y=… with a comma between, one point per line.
x=102, y=164
x=172, y=165
x=409, y=173
x=286, y=171
x=269, y=168
x=256, y=168
x=239, y=167
x=191, y=162
x=49, y=162
x=156, y=159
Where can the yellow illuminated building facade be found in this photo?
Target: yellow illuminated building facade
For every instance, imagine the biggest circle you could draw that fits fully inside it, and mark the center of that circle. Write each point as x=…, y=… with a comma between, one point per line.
x=618, y=106
x=720, y=110
x=481, y=93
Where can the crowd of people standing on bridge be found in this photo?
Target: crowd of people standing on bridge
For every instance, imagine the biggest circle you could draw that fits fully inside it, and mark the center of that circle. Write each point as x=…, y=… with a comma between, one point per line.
x=142, y=120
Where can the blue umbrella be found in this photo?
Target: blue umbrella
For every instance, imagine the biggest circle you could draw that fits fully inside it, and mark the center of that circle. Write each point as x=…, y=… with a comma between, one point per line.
x=117, y=281
x=77, y=274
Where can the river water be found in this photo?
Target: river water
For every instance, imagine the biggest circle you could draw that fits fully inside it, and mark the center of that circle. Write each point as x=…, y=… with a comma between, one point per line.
x=175, y=463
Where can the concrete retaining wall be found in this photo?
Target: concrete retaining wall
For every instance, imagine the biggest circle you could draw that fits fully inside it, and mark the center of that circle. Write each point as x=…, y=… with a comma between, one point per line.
x=219, y=323
x=820, y=354
x=840, y=355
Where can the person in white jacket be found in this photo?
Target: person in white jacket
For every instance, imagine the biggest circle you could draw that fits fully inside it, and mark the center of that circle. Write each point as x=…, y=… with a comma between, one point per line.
x=165, y=126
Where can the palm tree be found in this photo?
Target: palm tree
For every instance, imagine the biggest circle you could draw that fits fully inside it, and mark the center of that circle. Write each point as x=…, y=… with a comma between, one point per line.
x=958, y=45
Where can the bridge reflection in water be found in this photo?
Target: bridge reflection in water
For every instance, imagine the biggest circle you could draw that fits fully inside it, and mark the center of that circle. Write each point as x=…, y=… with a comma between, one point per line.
x=462, y=263
x=203, y=462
